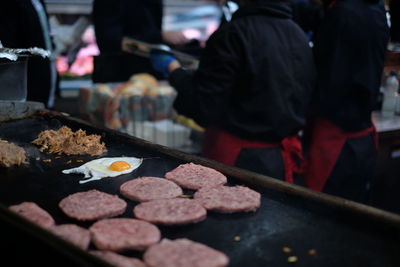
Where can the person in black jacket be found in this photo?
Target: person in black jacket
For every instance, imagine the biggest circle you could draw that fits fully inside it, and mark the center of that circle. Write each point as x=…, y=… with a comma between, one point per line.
x=394, y=10
x=24, y=24
x=349, y=51
x=114, y=20
x=251, y=89
x=308, y=14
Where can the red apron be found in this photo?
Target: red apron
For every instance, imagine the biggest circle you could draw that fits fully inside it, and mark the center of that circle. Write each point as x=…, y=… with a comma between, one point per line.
x=327, y=141
x=224, y=147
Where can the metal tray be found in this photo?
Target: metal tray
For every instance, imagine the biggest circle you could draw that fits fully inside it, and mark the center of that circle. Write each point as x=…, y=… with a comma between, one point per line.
x=342, y=233
x=144, y=49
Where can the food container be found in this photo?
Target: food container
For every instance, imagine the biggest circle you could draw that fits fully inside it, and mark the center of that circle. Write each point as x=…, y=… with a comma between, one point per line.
x=13, y=79
x=13, y=71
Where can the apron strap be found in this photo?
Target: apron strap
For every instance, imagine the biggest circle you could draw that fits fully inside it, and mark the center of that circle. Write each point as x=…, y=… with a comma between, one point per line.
x=292, y=153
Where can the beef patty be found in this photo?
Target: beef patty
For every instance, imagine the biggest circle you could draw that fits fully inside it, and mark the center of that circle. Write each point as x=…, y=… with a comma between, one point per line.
x=183, y=253
x=194, y=176
x=228, y=199
x=174, y=211
x=119, y=234
x=32, y=212
x=150, y=188
x=92, y=205
x=73, y=233
x=118, y=260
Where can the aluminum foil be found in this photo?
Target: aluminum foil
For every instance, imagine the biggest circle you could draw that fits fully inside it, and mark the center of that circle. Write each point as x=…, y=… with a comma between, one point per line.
x=13, y=53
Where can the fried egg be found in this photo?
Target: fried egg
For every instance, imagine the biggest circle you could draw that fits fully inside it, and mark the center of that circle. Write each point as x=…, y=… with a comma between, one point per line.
x=106, y=167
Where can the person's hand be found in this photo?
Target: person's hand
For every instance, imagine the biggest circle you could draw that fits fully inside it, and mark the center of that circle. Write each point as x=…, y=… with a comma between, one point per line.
x=174, y=38
x=161, y=62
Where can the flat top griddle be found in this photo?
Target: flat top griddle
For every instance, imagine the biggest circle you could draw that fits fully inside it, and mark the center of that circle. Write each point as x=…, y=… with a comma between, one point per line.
x=342, y=235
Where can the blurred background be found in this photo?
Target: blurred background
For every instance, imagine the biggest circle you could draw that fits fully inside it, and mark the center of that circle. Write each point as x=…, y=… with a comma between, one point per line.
x=146, y=116
x=74, y=38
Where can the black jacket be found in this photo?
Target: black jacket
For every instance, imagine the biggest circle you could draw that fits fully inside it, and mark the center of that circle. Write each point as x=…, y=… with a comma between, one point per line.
x=255, y=76
x=349, y=51
x=118, y=18
x=394, y=8
x=307, y=14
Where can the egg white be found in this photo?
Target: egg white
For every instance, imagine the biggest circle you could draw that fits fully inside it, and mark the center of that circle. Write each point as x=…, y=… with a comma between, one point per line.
x=99, y=168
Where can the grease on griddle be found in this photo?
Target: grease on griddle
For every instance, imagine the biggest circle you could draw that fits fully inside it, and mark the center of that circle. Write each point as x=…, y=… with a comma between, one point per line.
x=186, y=196
x=312, y=252
x=292, y=259
x=286, y=249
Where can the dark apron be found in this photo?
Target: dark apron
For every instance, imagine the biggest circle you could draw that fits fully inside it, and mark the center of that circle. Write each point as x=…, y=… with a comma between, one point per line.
x=224, y=147
x=326, y=143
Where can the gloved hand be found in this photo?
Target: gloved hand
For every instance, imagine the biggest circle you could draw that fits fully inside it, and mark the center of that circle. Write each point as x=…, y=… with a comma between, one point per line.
x=160, y=61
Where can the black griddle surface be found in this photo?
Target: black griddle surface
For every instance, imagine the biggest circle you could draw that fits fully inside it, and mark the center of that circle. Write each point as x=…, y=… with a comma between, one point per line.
x=340, y=238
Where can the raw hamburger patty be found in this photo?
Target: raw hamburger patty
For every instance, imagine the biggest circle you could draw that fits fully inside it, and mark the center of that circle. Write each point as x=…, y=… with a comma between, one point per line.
x=193, y=176
x=32, y=212
x=73, y=233
x=174, y=211
x=183, y=253
x=228, y=199
x=118, y=260
x=92, y=205
x=120, y=234
x=150, y=188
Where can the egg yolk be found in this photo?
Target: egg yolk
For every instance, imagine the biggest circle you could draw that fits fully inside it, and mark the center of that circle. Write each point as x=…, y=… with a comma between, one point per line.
x=119, y=166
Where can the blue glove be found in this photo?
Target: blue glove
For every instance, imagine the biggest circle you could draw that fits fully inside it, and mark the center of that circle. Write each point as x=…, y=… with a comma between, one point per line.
x=160, y=61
